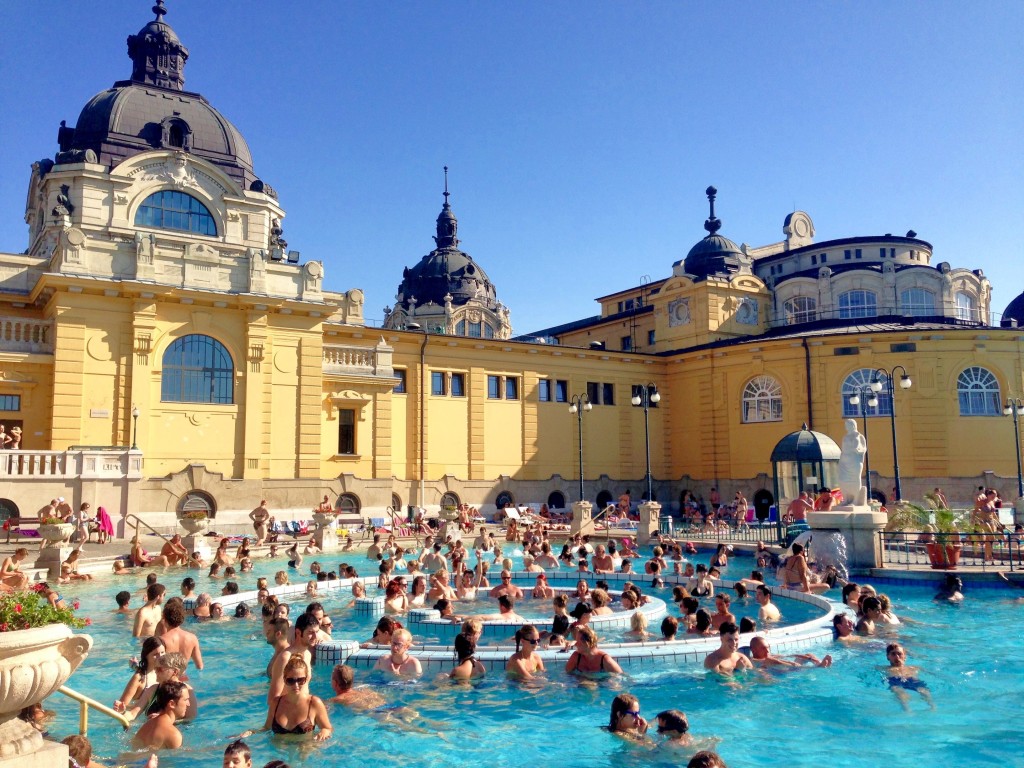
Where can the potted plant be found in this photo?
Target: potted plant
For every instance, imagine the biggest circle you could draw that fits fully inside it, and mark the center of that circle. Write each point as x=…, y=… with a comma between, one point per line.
x=194, y=522
x=38, y=653
x=54, y=530
x=944, y=546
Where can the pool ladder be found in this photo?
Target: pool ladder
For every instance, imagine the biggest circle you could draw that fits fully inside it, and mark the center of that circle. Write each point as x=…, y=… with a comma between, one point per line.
x=84, y=704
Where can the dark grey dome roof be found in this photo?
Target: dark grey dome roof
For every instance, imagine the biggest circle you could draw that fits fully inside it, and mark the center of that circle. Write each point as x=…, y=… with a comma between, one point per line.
x=715, y=254
x=153, y=111
x=805, y=445
x=1015, y=310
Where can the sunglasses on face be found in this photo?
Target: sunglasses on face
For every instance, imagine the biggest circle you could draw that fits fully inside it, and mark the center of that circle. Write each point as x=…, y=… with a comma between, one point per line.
x=295, y=680
x=634, y=713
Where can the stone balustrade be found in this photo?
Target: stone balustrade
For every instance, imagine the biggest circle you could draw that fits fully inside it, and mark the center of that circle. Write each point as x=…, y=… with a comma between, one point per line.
x=360, y=361
x=23, y=334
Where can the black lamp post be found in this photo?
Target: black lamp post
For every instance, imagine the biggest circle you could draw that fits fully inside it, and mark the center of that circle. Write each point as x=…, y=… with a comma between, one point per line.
x=135, y=428
x=872, y=402
x=647, y=394
x=580, y=403
x=876, y=387
x=1015, y=407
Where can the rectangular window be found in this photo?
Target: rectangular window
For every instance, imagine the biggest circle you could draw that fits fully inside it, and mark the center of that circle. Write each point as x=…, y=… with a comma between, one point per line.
x=892, y=253
x=346, y=431
x=608, y=394
x=10, y=402
x=814, y=258
x=561, y=391
x=650, y=338
x=594, y=392
x=847, y=254
x=458, y=385
x=620, y=306
x=857, y=253
x=400, y=374
x=824, y=258
x=438, y=384
x=544, y=391
x=511, y=388
x=494, y=387
x=843, y=351
x=629, y=303
x=627, y=343
x=881, y=252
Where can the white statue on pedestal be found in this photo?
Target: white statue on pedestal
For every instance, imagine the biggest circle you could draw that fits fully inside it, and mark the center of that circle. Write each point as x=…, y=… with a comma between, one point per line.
x=851, y=466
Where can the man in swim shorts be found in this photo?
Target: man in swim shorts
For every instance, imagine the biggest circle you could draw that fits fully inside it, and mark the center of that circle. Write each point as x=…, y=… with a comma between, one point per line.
x=902, y=678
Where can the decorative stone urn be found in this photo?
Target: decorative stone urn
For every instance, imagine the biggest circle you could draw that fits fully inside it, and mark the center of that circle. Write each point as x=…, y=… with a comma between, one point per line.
x=193, y=525
x=54, y=533
x=449, y=514
x=324, y=519
x=34, y=663
x=325, y=536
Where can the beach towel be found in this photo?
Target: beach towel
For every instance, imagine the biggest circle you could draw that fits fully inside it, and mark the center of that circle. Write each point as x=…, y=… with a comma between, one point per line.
x=106, y=525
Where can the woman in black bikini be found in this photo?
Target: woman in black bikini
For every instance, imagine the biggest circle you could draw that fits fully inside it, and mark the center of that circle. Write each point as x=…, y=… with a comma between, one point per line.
x=587, y=657
x=297, y=712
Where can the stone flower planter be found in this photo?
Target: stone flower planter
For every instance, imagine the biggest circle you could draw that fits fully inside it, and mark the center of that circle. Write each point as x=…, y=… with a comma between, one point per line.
x=324, y=520
x=194, y=526
x=34, y=663
x=54, y=534
x=449, y=515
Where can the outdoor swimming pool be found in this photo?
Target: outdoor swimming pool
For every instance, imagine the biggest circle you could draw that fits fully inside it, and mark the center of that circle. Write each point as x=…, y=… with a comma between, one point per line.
x=843, y=716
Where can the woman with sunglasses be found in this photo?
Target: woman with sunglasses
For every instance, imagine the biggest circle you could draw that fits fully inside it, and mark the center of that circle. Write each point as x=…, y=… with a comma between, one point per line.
x=625, y=718
x=297, y=712
x=525, y=662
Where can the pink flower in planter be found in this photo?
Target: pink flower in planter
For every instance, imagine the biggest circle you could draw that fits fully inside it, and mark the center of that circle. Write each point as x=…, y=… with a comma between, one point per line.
x=17, y=607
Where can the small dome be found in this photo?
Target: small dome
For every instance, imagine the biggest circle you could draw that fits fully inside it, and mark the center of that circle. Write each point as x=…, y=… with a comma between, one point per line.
x=805, y=445
x=715, y=254
x=1015, y=310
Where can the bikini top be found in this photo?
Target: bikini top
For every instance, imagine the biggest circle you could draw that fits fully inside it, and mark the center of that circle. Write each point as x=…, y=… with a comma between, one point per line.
x=579, y=661
x=306, y=726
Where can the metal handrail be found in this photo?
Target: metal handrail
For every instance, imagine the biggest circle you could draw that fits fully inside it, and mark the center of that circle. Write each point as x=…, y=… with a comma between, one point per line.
x=1003, y=551
x=84, y=703
x=138, y=521
x=607, y=529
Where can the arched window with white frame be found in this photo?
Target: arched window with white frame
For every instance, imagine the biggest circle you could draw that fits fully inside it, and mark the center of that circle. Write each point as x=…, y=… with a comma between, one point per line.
x=800, y=309
x=857, y=303
x=965, y=307
x=859, y=383
x=978, y=392
x=919, y=302
x=762, y=400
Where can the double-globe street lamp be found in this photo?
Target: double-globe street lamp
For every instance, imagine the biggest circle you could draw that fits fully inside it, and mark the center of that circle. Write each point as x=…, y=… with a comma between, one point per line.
x=876, y=387
x=580, y=403
x=646, y=394
x=1015, y=407
x=866, y=398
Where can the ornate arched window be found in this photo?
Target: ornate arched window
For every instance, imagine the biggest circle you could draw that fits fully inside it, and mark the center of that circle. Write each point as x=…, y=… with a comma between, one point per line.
x=396, y=502
x=965, y=308
x=857, y=303
x=504, y=499
x=176, y=210
x=197, y=501
x=348, y=504
x=450, y=501
x=800, y=309
x=556, y=500
x=858, y=383
x=978, y=391
x=762, y=400
x=918, y=302
x=197, y=369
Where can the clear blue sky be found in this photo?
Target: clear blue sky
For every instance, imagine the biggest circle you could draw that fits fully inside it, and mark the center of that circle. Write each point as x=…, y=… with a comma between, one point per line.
x=580, y=136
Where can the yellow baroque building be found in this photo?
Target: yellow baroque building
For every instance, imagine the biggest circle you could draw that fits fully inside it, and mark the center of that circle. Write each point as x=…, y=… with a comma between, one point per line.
x=162, y=349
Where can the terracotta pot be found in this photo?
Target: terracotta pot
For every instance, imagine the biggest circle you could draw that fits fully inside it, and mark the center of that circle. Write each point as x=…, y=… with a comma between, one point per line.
x=34, y=663
x=194, y=526
x=943, y=557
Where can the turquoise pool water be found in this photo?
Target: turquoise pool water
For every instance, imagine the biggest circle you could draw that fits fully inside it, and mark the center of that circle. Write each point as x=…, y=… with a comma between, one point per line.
x=843, y=716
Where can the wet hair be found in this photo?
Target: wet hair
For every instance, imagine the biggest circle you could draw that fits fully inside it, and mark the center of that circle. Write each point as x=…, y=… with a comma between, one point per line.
x=560, y=600
x=506, y=602
x=387, y=624
x=305, y=621
x=747, y=624
x=797, y=549
x=123, y=598
x=229, y=571
x=703, y=622
x=678, y=593
x=166, y=693
x=343, y=676
x=188, y=583
x=674, y=721
x=314, y=607
x=231, y=588
x=884, y=602
x=757, y=575
x=442, y=605
x=464, y=648
x=870, y=603
x=599, y=597
x=669, y=627
x=724, y=597
x=741, y=589
x=239, y=747
x=954, y=582
x=706, y=759
x=727, y=628
x=174, y=612
x=764, y=589
x=154, y=590
x=151, y=578
x=850, y=588
x=149, y=645
x=621, y=704
x=690, y=605
x=522, y=632
x=79, y=750
x=214, y=569
x=242, y=611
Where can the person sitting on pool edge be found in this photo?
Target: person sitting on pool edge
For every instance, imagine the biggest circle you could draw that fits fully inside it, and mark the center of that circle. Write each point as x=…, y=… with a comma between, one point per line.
x=727, y=658
x=762, y=656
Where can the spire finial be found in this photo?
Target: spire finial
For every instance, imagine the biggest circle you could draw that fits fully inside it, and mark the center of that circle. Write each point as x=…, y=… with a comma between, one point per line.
x=159, y=9
x=446, y=186
x=712, y=225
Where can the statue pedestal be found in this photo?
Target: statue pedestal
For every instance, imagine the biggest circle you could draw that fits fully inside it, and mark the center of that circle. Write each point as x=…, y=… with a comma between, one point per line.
x=196, y=542
x=450, y=528
x=582, y=522
x=859, y=526
x=51, y=557
x=49, y=755
x=650, y=515
x=326, y=538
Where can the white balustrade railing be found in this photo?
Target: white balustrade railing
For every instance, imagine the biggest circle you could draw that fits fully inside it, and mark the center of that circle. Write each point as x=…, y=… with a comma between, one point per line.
x=350, y=359
x=89, y=463
x=23, y=334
